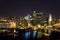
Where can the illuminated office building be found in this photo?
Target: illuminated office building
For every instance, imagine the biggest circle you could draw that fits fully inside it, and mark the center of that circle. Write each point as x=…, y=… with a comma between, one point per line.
x=37, y=18
x=50, y=20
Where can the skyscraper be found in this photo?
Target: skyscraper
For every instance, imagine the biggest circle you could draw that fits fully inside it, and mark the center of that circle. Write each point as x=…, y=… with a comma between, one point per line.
x=50, y=20
x=38, y=17
x=50, y=17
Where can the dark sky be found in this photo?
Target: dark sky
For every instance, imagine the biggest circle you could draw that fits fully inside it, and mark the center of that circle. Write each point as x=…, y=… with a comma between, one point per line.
x=25, y=7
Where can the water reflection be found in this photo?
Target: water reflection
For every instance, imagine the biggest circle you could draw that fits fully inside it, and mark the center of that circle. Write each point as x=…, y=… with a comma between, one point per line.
x=30, y=35
x=39, y=35
x=27, y=35
x=34, y=34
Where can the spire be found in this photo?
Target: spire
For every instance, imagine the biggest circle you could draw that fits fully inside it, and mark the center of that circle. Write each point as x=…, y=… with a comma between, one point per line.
x=50, y=22
x=50, y=17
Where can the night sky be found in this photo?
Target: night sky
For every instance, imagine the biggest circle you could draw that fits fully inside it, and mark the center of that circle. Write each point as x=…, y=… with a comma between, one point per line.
x=25, y=7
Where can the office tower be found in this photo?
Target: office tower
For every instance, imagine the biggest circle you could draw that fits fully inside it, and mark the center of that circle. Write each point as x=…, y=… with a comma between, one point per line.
x=34, y=13
x=50, y=19
x=37, y=17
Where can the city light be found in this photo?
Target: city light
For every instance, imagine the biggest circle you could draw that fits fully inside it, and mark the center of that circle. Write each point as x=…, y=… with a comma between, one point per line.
x=13, y=25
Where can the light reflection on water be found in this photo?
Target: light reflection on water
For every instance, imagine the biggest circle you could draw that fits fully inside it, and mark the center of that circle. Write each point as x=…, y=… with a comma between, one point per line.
x=27, y=35
x=39, y=35
x=34, y=34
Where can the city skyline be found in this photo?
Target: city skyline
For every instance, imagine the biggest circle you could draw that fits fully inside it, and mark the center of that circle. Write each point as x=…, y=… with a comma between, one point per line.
x=25, y=7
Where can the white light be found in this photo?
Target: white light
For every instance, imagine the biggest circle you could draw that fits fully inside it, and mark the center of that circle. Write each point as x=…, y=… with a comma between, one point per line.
x=27, y=17
x=50, y=17
x=14, y=31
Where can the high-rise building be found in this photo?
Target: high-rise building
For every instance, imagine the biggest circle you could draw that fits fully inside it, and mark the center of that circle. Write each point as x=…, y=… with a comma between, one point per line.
x=50, y=19
x=34, y=13
x=37, y=17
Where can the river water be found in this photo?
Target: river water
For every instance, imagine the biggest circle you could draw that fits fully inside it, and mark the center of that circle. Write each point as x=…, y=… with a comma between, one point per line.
x=26, y=35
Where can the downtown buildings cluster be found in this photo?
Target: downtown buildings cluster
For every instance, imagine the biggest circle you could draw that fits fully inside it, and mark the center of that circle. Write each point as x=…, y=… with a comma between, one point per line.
x=36, y=20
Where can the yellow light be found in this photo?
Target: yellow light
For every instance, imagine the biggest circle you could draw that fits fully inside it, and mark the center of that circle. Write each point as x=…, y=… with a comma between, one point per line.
x=39, y=25
x=13, y=25
x=35, y=28
x=29, y=24
x=14, y=31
